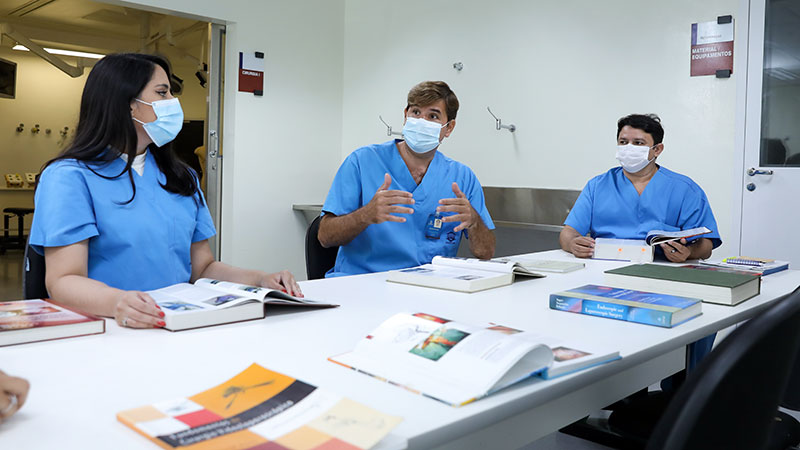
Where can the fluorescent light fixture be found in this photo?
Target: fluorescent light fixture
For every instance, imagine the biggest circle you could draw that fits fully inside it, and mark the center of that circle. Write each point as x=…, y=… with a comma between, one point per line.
x=57, y=51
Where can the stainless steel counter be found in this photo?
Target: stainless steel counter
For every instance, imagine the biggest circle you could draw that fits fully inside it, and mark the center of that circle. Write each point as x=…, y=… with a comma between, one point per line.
x=527, y=219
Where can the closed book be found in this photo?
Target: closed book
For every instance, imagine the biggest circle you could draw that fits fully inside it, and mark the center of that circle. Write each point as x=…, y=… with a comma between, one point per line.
x=711, y=286
x=759, y=266
x=23, y=321
x=625, y=304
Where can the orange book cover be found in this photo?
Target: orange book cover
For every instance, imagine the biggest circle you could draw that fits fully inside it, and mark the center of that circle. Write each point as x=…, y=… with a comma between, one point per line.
x=260, y=409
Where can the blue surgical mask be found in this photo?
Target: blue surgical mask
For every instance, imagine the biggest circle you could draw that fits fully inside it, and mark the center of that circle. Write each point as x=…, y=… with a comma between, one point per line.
x=421, y=135
x=168, y=123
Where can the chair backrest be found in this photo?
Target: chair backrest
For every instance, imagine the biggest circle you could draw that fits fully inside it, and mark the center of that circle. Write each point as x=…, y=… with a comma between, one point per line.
x=731, y=398
x=33, y=274
x=318, y=258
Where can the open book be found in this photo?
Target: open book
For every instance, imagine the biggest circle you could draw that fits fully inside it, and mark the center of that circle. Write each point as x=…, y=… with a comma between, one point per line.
x=212, y=302
x=457, y=363
x=462, y=274
x=641, y=250
x=260, y=409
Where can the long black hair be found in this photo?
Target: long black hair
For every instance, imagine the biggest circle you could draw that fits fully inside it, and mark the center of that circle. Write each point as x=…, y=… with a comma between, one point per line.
x=105, y=127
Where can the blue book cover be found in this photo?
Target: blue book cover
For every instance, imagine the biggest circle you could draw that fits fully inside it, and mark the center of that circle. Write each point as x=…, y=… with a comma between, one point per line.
x=625, y=304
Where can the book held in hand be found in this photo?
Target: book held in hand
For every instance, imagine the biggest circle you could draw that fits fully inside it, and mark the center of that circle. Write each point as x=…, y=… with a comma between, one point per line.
x=709, y=285
x=625, y=304
x=24, y=321
x=462, y=274
x=457, y=363
x=260, y=409
x=212, y=302
x=641, y=250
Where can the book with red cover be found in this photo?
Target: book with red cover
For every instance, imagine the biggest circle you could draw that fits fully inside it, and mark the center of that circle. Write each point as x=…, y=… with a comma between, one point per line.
x=23, y=321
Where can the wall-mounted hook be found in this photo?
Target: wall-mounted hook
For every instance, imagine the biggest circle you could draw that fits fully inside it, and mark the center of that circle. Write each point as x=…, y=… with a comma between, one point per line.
x=47, y=131
x=64, y=132
x=458, y=66
x=35, y=129
x=512, y=128
x=21, y=128
x=389, y=131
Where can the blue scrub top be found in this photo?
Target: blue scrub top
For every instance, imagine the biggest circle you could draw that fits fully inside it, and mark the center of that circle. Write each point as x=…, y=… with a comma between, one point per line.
x=610, y=207
x=141, y=245
x=393, y=245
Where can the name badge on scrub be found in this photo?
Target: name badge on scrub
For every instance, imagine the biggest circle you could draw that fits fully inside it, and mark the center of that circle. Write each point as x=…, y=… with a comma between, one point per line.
x=433, y=228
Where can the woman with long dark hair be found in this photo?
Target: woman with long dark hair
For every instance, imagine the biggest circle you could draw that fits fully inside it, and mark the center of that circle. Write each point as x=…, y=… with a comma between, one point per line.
x=116, y=212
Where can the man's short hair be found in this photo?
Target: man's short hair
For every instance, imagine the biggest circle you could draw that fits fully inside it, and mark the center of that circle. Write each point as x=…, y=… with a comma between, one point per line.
x=649, y=123
x=428, y=92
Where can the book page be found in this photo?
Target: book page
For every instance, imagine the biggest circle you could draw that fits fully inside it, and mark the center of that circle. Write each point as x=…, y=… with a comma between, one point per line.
x=492, y=265
x=185, y=297
x=241, y=290
x=659, y=236
x=431, y=355
x=457, y=273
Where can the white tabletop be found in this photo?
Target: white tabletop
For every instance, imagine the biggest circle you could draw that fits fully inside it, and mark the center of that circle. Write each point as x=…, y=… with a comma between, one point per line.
x=78, y=385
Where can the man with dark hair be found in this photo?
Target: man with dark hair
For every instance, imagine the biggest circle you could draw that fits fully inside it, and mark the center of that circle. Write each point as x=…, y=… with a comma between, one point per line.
x=400, y=203
x=639, y=196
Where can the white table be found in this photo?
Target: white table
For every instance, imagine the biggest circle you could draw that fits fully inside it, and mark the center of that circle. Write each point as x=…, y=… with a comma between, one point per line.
x=78, y=385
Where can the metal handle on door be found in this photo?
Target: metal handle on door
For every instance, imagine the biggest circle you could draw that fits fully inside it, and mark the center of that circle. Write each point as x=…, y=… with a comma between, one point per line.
x=753, y=172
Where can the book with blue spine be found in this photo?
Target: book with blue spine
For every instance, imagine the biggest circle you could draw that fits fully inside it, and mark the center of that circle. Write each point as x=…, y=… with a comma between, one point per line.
x=626, y=304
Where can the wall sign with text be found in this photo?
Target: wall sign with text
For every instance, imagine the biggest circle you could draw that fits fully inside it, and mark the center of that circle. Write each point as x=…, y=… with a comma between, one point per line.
x=251, y=72
x=712, y=47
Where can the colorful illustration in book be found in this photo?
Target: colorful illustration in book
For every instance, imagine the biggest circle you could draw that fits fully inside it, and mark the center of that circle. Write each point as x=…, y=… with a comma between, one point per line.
x=417, y=270
x=179, y=306
x=439, y=343
x=253, y=289
x=565, y=354
x=221, y=300
x=469, y=277
x=431, y=318
x=505, y=330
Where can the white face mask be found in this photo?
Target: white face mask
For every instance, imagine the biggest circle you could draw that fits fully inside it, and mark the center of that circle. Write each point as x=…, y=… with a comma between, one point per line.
x=633, y=158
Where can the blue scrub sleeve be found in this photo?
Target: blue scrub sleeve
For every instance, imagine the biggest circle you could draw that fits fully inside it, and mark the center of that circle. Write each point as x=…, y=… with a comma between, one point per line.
x=580, y=216
x=696, y=212
x=63, y=214
x=478, y=201
x=344, y=196
x=204, y=226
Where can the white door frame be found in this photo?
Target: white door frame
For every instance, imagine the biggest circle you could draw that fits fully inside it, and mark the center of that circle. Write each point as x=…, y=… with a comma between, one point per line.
x=749, y=69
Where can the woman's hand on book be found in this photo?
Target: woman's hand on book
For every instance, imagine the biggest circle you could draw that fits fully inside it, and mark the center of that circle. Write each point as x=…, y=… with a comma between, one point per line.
x=282, y=281
x=13, y=392
x=136, y=309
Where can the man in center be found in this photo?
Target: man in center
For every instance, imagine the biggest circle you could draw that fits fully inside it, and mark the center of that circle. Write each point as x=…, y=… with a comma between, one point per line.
x=400, y=203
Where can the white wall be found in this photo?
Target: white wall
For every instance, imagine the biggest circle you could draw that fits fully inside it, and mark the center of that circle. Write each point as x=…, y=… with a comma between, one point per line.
x=282, y=148
x=562, y=72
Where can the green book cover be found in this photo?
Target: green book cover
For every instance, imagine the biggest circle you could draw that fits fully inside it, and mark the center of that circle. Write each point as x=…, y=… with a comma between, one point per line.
x=684, y=274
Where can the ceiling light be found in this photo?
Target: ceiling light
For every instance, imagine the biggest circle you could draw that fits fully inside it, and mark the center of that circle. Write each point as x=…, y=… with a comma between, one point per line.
x=56, y=51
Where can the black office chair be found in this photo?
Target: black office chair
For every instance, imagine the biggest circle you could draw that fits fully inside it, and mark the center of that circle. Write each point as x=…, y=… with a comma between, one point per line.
x=33, y=275
x=730, y=400
x=319, y=259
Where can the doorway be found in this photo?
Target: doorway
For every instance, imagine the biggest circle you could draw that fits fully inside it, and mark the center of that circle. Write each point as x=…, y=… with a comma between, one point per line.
x=48, y=47
x=771, y=173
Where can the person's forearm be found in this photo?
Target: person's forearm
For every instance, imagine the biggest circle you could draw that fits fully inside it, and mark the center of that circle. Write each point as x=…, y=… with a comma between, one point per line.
x=85, y=294
x=701, y=249
x=340, y=230
x=220, y=271
x=481, y=241
x=566, y=236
